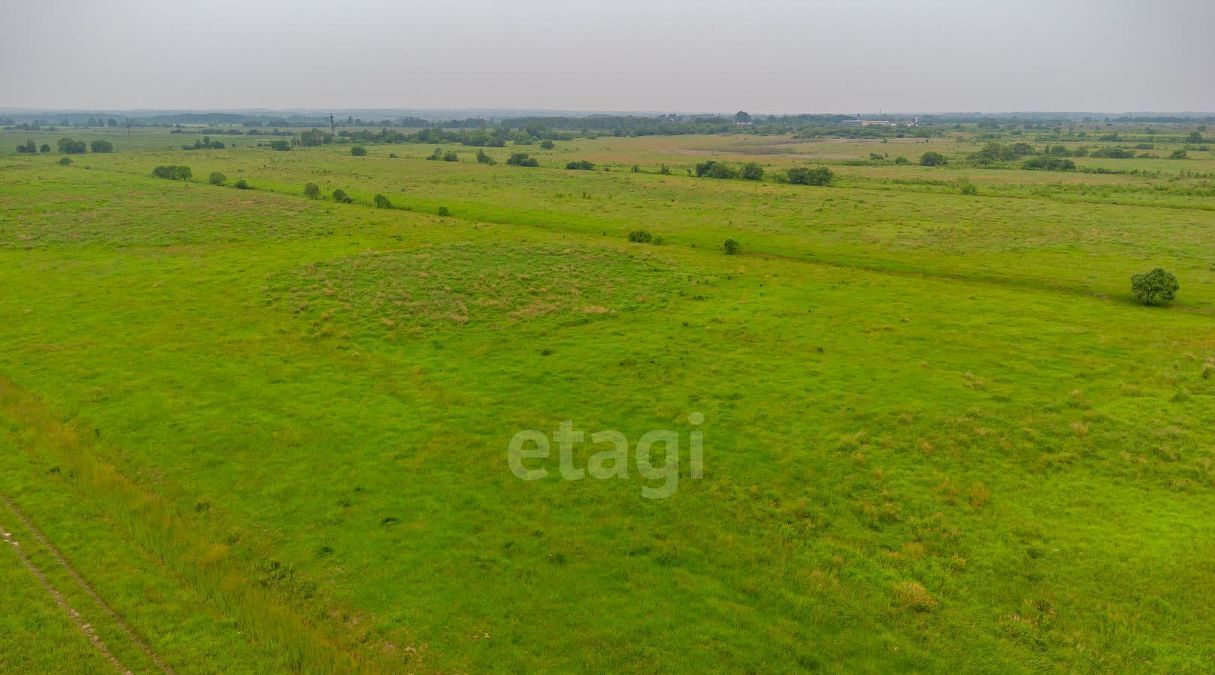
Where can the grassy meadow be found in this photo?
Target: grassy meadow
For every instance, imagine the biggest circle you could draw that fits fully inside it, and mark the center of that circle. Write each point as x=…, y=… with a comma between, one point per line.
x=249, y=431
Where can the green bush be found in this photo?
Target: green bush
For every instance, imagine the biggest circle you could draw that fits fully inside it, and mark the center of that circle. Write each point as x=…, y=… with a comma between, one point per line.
x=340, y=196
x=1177, y=154
x=280, y=145
x=242, y=184
x=101, y=146
x=173, y=172
x=800, y=175
x=69, y=146
x=581, y=165
x=1157, y=287
x=715, y=169
x=641, y=237
x=522, y=159
x=64, y=161
x=933, y=159
x=381, y=202
x=451, y=156
x=312, y=190
x=483, y=158
x=901, y=160
x=358, y=151
x=752, y=171
x=1045, y=163
x=731, y=247
x=968, y=188
x=547, y=144
x=217, y=178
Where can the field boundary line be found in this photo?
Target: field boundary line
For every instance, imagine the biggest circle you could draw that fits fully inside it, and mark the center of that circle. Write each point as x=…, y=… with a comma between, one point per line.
x=61, y=602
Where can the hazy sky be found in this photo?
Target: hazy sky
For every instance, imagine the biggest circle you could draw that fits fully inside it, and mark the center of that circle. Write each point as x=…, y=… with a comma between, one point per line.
x=677, y=55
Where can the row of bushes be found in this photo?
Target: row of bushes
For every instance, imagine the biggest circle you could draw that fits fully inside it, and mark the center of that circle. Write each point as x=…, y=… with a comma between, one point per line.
x=67, y=146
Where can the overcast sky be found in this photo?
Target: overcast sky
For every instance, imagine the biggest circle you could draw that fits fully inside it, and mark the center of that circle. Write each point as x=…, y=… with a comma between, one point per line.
x=669, y=55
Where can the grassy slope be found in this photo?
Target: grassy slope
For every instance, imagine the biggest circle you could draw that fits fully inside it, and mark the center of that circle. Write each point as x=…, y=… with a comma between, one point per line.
x=1036, y=460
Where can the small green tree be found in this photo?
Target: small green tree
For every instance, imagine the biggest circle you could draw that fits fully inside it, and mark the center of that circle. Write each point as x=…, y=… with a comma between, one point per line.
x=731, y=247
x=451, y=156
x=64, y=161
x=483, y=158
x=70, y=146
x=932, y=158
x=640, y=237
x=101, y=146
x=217, y=178
x=1157, y=287
x=44, y=148
x=358, y=151
x=312, y=190
x=444, y=211
x=242, y=184
x=381, y=202
x=340, y=196
x=547, y=144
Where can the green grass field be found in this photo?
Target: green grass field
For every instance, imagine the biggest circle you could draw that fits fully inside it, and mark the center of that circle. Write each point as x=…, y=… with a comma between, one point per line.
x=248, y=431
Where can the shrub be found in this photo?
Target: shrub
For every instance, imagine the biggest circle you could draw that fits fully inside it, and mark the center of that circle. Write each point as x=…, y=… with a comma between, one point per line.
x=217, y=178
x=1048, y=164
x=173, y=172
x=731, y=247
x=69, y=146
x=522, y=159
x=444, y=211
x=665, y=170
x=933, y=159
x=436, y=155
x=340, y=196
x=913, y=596
x=358, y=151
x=900, y=160
x=381, y=202
x=547, y=144
x=483, y=158
x=312, y=190
x=640, y=237
x=1157, y=287
x=280, y=145
x=1177, y=154
x=714, y=169
x=968, y=188
x=800, y=175
x=44, y=148
x=752, y=171
x=451, y=156
x=581, y=165
x=64, y=161
x=242, y=184
x=101, y=146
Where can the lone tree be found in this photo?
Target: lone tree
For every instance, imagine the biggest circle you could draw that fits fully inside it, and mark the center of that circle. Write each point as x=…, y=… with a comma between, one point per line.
x=1157, y=287
x=312, y=190
x=741, y=117
x=932, y=159
x=731, y=247
x=217, y=178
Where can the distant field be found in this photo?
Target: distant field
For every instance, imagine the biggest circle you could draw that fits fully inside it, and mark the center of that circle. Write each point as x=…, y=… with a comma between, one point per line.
x=269, y=433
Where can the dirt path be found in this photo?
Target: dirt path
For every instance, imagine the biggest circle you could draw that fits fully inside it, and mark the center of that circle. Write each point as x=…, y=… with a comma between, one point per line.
x=84, y=584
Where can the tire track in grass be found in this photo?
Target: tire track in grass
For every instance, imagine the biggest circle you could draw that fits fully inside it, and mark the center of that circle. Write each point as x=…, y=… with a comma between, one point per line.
x=105, y=607
x=79, y=622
